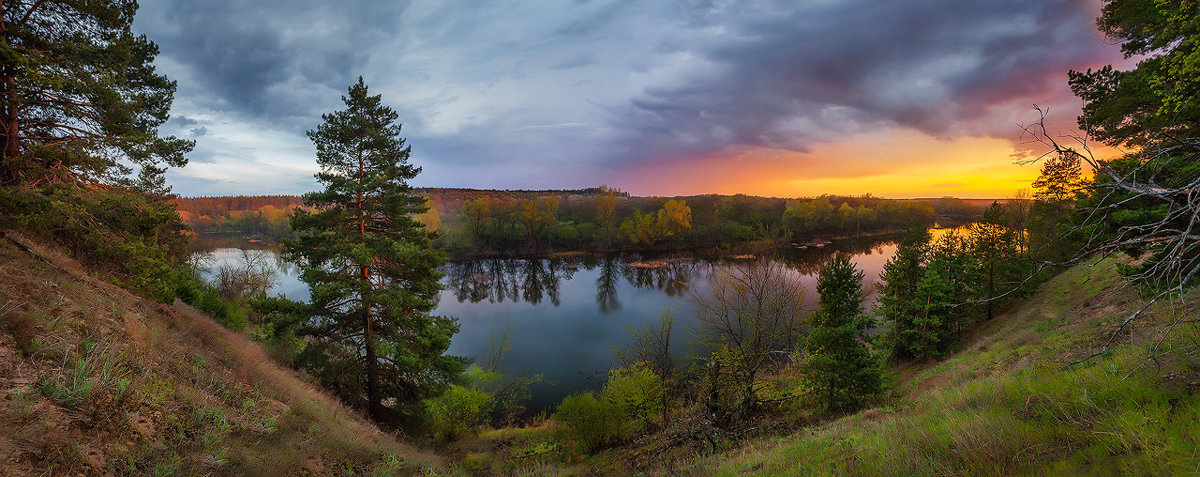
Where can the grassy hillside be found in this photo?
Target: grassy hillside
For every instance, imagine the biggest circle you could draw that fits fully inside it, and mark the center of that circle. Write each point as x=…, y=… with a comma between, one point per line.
x=97, y=381
x=1008, y=405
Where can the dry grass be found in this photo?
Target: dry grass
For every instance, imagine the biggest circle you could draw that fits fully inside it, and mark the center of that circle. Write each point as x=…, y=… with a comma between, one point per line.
x=98, y=381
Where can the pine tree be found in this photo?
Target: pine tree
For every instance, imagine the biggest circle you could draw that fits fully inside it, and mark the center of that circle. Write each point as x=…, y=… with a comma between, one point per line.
x=898, y=291
x=838, y=367
x=79, y=95
x=370, y=264
x=927, y=293
x=943, y=302
x=996, y=247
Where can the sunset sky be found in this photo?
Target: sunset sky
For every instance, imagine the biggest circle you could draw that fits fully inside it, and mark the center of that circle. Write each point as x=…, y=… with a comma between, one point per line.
x=910, y=98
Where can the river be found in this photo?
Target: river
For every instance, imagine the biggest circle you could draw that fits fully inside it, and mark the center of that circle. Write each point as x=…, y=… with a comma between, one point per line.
x=565, y=315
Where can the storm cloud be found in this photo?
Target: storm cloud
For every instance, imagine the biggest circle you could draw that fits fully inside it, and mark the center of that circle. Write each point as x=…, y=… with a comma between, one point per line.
x=563, y=94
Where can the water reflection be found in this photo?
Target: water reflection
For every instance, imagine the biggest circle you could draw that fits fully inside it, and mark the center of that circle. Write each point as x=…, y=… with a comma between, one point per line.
x=500, y=280
x=606, y=285
x=672, y=279
x=536, y=280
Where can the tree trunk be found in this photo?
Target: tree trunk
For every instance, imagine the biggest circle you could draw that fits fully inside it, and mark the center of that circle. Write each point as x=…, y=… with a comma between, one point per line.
x=374, y=398
x=10, y=144
x=991, y=289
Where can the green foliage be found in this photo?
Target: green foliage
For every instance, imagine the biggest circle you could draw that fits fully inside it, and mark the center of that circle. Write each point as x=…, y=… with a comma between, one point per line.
x=982, y=410
x=370, y=266
x=75, y=389
x=590, y=423
x=898, y=291
x=1001, y=263
x=1054, y=226
x=942, y=301
x=634, y=394
x=489, y=222
x=1136, y=202
x=928, y=290
x=626, y=407
x=839, y=370
x=193, y=291
x=458, y=410
x=824, y=216
x=135, y=237
x=1131, y=107
x=81, y=97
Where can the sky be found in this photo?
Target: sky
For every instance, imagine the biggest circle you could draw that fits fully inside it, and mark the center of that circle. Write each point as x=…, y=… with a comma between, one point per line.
x=787, y=98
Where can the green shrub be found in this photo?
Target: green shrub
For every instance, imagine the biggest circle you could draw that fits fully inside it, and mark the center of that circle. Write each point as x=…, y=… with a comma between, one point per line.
x=458, y=410
x=205, y=298
x=76, y=389
x=635, y=396
x=591, y=423
x=626, y=407
x=138, y=238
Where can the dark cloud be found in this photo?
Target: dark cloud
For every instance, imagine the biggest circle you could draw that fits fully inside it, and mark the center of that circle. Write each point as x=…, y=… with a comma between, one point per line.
x=263, y=57
x=790, y=75
x=494, y=95
x=183, y=121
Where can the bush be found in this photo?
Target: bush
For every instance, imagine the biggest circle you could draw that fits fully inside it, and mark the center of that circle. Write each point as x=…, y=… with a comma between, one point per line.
x=138, y=238
x=635, y=396
x=591, y=423
x=205, y=298
x=625, y=408
x=458, y=410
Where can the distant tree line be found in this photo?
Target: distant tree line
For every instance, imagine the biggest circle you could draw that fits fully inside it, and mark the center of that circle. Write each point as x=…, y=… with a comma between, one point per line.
x=611, y=220
x=500, y=222
x=266, y=216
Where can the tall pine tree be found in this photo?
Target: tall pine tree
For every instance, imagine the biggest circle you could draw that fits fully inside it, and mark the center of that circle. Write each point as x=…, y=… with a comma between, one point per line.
x=996, y=248
x=370, y=264
x=898, y=291
x=80, y=98
x=838, y=367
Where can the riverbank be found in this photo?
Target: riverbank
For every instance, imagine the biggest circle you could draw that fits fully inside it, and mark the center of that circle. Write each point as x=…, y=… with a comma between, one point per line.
x=705, y=251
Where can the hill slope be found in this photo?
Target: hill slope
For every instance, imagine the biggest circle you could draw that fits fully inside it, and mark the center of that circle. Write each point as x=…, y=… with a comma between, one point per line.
x=1005, y=404
x=98, y=381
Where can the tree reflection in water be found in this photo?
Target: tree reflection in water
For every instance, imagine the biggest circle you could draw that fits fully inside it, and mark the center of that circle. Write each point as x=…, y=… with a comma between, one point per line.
x=606, y=285
x=673, y=279
x=536, y=280
x=498, y=280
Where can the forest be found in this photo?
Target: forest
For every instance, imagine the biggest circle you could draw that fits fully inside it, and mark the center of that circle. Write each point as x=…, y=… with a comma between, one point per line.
x=476, y=223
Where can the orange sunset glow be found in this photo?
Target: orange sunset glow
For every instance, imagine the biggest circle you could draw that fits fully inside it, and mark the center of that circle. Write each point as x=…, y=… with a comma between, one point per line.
x=898, y=165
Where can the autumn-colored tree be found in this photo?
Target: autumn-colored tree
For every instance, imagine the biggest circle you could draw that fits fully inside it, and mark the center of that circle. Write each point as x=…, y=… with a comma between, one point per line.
x=606, y=213
x=431, y=219
x=648, y=229
x=539, y=218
